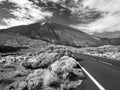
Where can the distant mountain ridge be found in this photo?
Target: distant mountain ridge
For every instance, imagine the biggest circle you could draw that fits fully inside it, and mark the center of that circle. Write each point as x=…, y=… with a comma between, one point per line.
x=108, y=34
x=49, y=32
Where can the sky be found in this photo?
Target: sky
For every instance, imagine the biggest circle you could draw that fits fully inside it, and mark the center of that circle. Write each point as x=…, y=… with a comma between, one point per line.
x=90, y=16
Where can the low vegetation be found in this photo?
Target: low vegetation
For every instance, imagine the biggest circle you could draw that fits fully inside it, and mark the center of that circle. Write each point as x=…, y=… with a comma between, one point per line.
x=51, y=68
x=107, y=51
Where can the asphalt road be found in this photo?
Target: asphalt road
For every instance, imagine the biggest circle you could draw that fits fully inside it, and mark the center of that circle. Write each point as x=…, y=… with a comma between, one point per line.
x=105, y=71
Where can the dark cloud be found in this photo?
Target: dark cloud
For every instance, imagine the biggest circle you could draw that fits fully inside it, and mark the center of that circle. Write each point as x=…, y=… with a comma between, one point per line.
x=86, y=15
x=7, y=5
x=4, y=11
x=22, y=12
x=72, y=11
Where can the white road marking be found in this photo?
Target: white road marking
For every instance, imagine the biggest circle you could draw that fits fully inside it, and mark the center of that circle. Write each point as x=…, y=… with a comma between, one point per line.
x=105, y=63
x=93, y=79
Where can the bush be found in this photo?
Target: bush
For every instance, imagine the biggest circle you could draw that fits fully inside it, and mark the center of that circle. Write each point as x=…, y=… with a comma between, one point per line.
x=62, y=75
x=41, y=61
x=55, y=70
x=35, y=80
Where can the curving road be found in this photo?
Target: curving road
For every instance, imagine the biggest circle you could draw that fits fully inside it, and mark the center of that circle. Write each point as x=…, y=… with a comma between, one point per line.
x=105, y=71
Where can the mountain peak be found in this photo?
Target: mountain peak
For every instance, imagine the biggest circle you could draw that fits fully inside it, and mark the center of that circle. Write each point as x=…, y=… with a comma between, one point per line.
x=50, y=32
x=45, y=22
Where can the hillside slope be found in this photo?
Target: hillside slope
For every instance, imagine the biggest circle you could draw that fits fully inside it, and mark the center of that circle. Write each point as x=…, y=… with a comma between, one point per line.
x=111, y=41
x=50, y=32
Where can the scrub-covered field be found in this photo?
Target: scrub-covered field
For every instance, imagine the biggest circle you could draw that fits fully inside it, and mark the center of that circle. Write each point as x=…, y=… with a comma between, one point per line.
x=50, y=68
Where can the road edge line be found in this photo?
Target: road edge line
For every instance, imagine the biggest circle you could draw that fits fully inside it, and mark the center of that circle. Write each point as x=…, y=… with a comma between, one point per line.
x=105, y=62
x=92, y=78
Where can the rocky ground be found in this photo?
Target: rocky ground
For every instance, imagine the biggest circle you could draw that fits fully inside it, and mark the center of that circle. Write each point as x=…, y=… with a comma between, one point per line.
x=52, y=68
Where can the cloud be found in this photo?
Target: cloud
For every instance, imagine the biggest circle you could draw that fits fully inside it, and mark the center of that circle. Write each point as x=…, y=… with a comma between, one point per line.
x=62, y=3
x=30, y=11
x=75, y=10
x=85, y=15
x=110, y=21
x=3, y=27
x=2, y=1
x=90, y=15
x=103, y=5
x=25, y=13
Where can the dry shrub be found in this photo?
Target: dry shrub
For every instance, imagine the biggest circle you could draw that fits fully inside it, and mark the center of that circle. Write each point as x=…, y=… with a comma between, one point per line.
x=62, y=75
x=41, y=61
x=53, y=69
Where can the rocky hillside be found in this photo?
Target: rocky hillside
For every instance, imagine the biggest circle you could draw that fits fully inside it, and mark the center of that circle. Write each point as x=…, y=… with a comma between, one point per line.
x=111, y=41
x=51, y=32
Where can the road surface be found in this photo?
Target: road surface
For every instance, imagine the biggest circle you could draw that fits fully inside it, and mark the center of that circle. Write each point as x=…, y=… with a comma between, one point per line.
x=105, y=71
